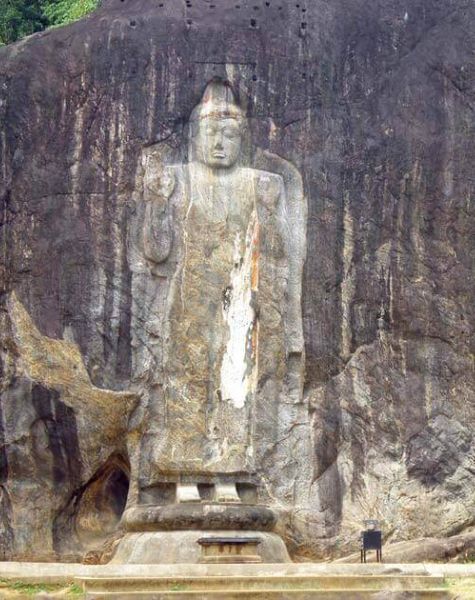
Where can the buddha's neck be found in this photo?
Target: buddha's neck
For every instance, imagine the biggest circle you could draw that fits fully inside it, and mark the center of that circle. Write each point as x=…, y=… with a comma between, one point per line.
x=216, y=172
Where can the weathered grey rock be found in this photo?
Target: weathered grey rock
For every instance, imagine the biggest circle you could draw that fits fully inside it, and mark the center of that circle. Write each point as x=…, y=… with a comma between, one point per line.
x=457, y=548
x=65, y=441
x=373, y=104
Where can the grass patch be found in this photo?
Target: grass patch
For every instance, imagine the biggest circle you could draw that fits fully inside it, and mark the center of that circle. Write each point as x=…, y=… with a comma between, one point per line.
x=75, y=589
x=32, y=588
x=23, y=589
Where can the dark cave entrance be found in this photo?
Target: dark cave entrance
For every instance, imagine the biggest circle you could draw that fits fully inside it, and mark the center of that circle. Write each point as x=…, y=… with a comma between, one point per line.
x=93, y=514
x=102, y=503
x=115, y=489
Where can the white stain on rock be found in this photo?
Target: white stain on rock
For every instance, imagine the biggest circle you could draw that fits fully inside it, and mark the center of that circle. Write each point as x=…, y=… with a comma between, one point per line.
x=236, y=377
x=348, y=284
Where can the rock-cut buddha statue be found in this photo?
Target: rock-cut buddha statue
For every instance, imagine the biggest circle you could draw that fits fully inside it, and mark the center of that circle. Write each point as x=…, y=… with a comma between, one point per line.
x=228, y=239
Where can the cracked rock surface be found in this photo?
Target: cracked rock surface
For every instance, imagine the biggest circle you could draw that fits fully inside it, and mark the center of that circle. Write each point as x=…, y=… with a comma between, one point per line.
x=373, y=103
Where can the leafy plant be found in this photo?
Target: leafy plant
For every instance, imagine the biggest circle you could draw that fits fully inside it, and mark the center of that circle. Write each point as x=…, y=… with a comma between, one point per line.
x=19, y=18
x=61, y=12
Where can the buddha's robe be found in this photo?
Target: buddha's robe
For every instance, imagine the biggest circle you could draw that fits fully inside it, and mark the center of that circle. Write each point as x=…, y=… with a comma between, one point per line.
x=212, y=332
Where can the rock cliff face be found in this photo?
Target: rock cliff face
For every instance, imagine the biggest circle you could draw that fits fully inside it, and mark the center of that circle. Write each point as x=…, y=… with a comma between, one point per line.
x=373, y=103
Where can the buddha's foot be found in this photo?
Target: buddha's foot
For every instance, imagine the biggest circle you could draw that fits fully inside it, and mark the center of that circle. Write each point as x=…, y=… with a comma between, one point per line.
x=226, y=492
x=187, y=492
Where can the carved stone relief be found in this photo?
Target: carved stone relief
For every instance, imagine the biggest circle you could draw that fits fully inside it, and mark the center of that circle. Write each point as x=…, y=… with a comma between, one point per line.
x=219, y=242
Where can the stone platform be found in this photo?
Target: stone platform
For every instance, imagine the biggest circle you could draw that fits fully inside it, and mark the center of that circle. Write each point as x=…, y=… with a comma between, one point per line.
x=302, y=581
x=264, y=586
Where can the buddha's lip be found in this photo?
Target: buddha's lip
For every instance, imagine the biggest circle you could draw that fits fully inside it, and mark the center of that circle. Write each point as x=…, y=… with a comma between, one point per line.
x=219, y=155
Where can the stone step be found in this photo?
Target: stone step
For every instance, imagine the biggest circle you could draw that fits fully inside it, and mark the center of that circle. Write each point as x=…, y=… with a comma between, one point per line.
x=259, y=586
x=249, y=583
x=276, y=594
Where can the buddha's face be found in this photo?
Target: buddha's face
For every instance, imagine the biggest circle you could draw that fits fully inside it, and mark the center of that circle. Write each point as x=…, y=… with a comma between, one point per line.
x=218, y=142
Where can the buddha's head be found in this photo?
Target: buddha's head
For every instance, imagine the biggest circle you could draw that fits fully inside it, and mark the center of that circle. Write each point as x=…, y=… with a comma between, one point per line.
x=217, y=125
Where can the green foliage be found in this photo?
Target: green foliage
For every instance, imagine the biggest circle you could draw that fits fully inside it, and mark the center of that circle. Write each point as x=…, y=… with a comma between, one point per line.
x=61, y=12
x=19, y=18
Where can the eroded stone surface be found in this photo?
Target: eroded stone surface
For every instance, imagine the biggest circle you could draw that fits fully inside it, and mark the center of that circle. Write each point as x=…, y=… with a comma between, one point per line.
x=373, y=104
x=65, y=444
x=230, y=278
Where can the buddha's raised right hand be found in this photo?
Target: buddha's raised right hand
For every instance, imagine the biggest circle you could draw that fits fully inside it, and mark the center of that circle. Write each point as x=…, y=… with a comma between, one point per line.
x=159, y=185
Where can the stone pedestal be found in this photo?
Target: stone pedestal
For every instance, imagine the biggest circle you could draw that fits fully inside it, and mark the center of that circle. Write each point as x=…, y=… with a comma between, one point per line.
x=173, y=533
x=199, y=515
x=162, y=547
